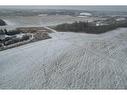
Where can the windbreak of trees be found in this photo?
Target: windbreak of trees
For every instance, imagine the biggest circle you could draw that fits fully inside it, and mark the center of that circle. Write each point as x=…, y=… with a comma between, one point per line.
x=88, y=28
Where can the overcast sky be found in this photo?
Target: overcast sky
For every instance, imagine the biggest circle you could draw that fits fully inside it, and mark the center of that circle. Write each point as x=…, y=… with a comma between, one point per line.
x=98, y=8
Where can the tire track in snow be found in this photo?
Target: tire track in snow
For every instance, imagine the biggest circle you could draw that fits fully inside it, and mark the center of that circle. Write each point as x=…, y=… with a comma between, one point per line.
x=67, y=62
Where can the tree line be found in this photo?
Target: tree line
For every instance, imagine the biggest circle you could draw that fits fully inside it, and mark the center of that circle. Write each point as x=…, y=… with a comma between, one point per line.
x=88, y=28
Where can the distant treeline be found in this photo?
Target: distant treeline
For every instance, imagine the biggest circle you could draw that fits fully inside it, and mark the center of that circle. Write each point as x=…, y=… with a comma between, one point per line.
x=88, y=28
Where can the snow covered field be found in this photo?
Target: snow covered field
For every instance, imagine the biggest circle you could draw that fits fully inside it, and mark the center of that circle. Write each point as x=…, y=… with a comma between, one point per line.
x=67, y=61
x=21, y=21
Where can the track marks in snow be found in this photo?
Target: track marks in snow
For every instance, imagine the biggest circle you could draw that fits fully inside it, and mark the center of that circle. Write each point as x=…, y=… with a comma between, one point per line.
x=67, y=61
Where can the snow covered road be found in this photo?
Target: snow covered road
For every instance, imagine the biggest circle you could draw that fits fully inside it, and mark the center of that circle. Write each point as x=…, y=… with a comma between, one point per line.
x=67, y=61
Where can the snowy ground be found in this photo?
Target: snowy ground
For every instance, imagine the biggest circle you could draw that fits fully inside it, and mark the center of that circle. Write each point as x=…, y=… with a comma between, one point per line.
x=67, y=61
x=27, y=21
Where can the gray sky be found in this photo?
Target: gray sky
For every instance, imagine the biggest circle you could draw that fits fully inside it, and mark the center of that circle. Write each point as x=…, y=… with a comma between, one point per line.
x=96, y=8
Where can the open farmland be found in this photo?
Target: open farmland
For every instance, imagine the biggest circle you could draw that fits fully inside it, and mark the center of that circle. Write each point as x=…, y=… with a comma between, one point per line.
x=67, y=61
x=37, y=21
x=63, y=48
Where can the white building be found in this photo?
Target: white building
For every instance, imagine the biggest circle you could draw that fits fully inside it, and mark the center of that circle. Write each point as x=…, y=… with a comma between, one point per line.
x=85, y=14
x=120, y=19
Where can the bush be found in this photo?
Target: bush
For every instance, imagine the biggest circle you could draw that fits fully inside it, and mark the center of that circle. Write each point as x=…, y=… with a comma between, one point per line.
x=0, y=44
x=7, y=39
x=12, y=41
x=2, y=32
x=25, y=37
x=2, y=22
